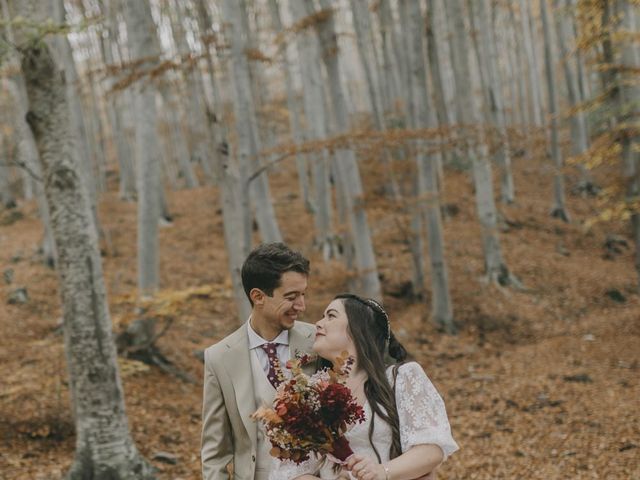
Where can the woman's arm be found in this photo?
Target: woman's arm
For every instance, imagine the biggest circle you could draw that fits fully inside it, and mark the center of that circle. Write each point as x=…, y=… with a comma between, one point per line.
x=418, y=461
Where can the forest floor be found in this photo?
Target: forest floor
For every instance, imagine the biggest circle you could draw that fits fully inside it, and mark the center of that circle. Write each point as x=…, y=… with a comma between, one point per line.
x=542, y=383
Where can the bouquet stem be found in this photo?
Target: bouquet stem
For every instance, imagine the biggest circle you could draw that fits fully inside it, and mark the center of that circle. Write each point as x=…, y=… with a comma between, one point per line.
x=341, y=448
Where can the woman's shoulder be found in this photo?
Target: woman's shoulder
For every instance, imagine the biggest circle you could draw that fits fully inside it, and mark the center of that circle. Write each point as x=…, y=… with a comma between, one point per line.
x=407, y=369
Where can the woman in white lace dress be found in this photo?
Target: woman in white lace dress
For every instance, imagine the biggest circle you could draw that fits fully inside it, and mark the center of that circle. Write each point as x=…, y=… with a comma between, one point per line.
x=406, y=434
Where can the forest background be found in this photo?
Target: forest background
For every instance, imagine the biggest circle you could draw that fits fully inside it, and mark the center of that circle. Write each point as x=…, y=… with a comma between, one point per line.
x=473, y=164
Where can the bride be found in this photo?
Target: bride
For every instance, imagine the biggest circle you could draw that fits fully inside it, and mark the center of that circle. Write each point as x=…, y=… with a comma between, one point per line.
x=406, y=434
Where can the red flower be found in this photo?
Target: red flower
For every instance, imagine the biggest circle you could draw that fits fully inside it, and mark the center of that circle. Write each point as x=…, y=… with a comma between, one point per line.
x=311, y=414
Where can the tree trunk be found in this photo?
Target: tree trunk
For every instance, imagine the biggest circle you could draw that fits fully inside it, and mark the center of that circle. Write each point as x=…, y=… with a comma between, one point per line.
x=104, y=448
x=115, y=107
x=364, y=40
x=233, y=224
x=316, y=118
x=74, y=94
x=194, y=119
x=559, y=208
x=628, y=115
x=485, y=46
x=439, y=94
x=519, y=67
x=534, y=88
x=347, y=165
x=7, y=199
x=393, y=64
x=249, y=146
x=204, y=25
x=144, y=48
x=428, y=195
x=579, y=134
x=496, y=269
x=294, y=116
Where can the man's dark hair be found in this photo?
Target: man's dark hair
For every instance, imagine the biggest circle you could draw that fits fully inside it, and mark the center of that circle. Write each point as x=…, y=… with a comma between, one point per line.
x=266, y=264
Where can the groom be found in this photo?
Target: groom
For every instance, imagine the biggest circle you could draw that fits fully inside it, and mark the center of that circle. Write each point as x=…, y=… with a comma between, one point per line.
x=241, y=371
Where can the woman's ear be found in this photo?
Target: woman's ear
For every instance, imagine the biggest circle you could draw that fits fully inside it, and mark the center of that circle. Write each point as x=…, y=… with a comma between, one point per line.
x=257, y=296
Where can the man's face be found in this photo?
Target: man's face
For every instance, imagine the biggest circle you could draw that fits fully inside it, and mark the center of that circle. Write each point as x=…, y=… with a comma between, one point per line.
x=283, y=308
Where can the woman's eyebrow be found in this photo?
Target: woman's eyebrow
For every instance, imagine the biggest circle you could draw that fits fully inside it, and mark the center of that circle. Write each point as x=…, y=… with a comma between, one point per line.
x=331, y=310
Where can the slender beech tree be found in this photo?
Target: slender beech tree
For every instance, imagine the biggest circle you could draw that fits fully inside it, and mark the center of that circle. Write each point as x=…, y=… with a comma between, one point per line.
x=104, y=448
x=559, y=209
x=292, y=106
x=579, y=133
x=393, y=63
x=435, y=66
x=63, y=48
x=428, y=195
x=194, y=115
x=628, y=107
x=346, y=164
x=529, y=50
x=249, y=145
x=316, y=120
x=495, y=266
x=519, y=66
x=485, y=46
x=367, y=56
x=115, y=104
x=144, y=49
x=27, y=150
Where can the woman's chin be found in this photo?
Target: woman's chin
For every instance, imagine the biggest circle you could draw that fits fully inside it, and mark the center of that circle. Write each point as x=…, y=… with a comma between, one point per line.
x=321, y=352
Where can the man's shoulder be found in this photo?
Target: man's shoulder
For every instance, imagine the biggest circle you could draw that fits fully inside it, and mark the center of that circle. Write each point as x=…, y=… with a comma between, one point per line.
x=304, y=327
x=223, y=345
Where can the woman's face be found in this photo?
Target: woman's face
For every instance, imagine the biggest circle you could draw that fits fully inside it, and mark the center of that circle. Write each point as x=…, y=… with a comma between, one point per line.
x=332, y=333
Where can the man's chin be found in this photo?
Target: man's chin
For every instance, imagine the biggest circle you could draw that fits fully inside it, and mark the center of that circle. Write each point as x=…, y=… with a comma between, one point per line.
x=289, y=322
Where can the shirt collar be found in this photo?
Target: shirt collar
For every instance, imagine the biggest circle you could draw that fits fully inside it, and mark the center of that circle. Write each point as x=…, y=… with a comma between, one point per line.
x=256, y=340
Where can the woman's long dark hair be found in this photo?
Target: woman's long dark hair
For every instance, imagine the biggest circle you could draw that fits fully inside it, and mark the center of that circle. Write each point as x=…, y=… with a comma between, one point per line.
x=377, y=348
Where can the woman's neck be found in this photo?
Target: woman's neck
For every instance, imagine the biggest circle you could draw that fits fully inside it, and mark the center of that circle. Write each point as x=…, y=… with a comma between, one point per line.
x=355, y=381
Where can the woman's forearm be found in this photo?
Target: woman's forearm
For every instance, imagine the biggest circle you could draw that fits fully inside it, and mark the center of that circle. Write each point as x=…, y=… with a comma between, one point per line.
x=415, y=462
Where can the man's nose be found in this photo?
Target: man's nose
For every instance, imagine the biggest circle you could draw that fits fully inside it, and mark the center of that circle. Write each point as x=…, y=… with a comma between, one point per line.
x=299, y=304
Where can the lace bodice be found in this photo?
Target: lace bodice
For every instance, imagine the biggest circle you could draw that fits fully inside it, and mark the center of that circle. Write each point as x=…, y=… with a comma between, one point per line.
x=423, y=420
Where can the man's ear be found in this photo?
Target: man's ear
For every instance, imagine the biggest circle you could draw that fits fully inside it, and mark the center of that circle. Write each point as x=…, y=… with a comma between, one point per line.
x=257, y=296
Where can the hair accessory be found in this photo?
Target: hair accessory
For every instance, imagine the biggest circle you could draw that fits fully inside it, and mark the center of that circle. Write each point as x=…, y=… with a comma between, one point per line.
x=375, y=305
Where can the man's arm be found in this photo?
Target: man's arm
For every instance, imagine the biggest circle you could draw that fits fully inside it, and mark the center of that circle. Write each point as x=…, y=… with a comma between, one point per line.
x=217, y=446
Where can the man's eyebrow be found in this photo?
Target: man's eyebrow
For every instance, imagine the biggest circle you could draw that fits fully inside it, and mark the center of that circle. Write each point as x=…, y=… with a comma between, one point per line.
x=291, y=292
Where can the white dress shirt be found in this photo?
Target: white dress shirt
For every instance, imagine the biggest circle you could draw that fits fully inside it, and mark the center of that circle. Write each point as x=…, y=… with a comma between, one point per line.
x=282, y=349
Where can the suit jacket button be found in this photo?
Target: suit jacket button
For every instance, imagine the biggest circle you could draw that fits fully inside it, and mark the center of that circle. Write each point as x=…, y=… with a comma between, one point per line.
x=253, y=458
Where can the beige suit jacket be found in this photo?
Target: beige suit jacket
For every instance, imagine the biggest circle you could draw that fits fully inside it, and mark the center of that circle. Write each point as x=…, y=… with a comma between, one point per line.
x=228, y=433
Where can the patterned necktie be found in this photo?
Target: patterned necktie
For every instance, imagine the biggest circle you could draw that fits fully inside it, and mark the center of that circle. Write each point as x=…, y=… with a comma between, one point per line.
x=275, y=374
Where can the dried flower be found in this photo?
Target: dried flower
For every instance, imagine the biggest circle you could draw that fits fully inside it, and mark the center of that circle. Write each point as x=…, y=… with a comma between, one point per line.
x=312, y=413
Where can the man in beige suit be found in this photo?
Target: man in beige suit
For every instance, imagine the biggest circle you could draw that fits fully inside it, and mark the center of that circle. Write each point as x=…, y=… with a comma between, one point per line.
x=240, y=370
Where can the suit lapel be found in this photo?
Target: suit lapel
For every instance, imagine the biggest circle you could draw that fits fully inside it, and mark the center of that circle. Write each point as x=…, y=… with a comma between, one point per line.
x=238, y=365
x=301, y=342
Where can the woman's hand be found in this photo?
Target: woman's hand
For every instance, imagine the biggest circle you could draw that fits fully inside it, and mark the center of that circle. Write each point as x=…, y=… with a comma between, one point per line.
x=365, y=468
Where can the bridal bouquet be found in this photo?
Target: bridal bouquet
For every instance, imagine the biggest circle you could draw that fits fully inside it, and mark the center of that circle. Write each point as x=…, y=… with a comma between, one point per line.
x=311, y=413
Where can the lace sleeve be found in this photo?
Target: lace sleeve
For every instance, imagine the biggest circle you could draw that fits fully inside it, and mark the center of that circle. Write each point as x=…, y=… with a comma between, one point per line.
x=423, y=417
x=288, y=470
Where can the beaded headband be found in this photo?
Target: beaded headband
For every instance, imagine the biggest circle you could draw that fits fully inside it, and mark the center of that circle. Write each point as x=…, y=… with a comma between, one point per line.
x=373, y=305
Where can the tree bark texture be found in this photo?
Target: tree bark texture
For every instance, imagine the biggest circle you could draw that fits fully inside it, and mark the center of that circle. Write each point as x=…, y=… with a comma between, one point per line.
x=104, y=448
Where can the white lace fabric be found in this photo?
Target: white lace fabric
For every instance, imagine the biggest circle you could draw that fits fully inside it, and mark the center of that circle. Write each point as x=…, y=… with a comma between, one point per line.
x=423, y=420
